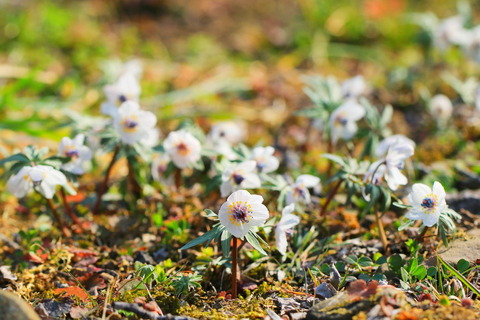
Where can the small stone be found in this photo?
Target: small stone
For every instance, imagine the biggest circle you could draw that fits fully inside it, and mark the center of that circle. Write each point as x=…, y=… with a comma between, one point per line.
x=325, y=290
x=15, y=307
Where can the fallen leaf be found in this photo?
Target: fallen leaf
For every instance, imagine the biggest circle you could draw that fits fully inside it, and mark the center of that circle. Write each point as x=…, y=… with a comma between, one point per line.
x=74, y=291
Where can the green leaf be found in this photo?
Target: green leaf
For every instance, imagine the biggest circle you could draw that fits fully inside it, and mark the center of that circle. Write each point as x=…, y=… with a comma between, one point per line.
x=250, y=237
x=365, y=262
x=460, y=277
x=208, y=236
x=432, y=271
x=335, y=159
x=16, y=157
x=351, y=259
x=401, y=205
x=463, y=265
x=225, y=242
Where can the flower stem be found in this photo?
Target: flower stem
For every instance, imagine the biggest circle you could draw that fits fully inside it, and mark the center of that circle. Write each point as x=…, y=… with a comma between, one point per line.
x=178, y=178
x=69, y=210
x=57, y=218
x=421, y=236
x=132, y=179
x=330, y=197
x=381, y=232
x=330, y=150
x=234, y=267
x=103, y=187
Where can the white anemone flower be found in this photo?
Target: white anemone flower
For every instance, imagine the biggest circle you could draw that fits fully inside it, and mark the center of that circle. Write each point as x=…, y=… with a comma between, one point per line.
x=441, y=107
x=232, y=132
x=343, y=120
x=387, y=143
x=284, y=227
x=241, y=212
x=43, y=178
x=183, y=148
x=241, y=176
x=78, y=153
x=427, y=204
x=354, y=87
x=389, y=168
x=266, y=161
x=134, y=124
x=125, y=89
x=299, y=192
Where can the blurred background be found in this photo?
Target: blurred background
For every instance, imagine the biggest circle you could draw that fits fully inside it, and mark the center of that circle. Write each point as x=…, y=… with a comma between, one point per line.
x=212, y=59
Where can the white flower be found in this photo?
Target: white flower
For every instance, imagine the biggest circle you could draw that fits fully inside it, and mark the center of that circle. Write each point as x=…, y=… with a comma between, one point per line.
x=299, y=192
x=183, y=148
x=427, y=204
x=76, y=151
x=451, y=32
x=441, y=107
x=231, y=131
x=266, y=161
x=241, y=212
x=284, y=227
x=159, y=167
x=397, y=139
x=389, y=168
x=354, y=87
x=241, y=176
x=134, y=124
x=125, y=89
x=343, y=120
x=43, y=178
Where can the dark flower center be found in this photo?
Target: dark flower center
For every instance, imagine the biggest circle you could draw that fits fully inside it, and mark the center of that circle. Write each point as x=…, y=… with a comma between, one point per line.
x=182, y=148
x=238, y=178
x=130, y=124
x=241, y=213
x=71, y=153
x=428, y=203
x=122, y=98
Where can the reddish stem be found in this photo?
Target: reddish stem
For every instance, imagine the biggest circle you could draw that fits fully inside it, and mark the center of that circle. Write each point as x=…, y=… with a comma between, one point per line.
x=57, y=218
x=69, y=210
x=103, y=187
x=330, y=197
x=234, y=267
x=381, y=232
x=178, y=178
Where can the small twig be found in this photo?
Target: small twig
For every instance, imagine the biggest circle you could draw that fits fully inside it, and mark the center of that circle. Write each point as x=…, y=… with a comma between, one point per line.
x=381, y=232
x=142, y=313
x=103, y=187
x=132, y=180
x=330, y=197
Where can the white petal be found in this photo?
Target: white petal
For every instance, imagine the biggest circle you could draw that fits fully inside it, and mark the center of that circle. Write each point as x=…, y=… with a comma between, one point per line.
x=430, y=219
x=281, y=240
x=439, y=190
x=240, y=195
x=413, y=214
x=247, y=166
x=226, y=188
x=251, y=181
x=308, y=180
x=255, y=198
x=46, y=190
x=288, y=209
x=259, y=212
x=419, y=192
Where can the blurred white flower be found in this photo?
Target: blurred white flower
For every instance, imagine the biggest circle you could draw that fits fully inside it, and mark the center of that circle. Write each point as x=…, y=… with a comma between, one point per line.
x=441, y=107
x=427, y=204
x=159, y=167
x=231, y=131
x=284, y=227
x=397, y=139
x=266, y=161
x=299, y=192
x=241, y=212
x=43, y=178
x=127, y=88
x=354, y=87
x=343, y=120
x=389, y=168
x=183, y=148
x=451, y=31
x=76, y=151
x=241, y=176
x=134, y=124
